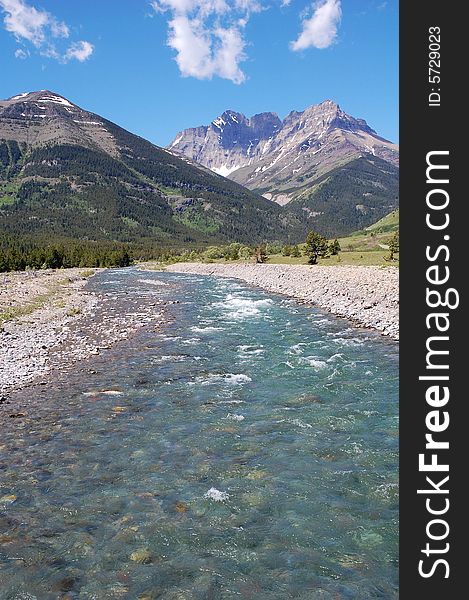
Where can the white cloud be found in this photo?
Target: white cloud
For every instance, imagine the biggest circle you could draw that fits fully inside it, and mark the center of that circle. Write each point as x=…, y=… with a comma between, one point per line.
x=207, y=35
x=80, y=51
x=41, y=29
x=20, y=53
x=249, y=6
x=192, y=45
x=320, y=30
x=229, y=54
x=28, y=23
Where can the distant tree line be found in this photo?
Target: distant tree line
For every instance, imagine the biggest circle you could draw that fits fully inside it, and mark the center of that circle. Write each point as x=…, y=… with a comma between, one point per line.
x=23, y=256
x=19, y=254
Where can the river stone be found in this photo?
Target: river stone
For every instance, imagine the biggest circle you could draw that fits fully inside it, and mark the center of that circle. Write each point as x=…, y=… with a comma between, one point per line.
x=142, y=556
x=181, y=507
x=8, y=499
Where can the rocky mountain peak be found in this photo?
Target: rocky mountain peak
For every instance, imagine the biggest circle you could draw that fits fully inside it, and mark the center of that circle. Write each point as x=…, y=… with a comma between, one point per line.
x=228, y=119
x=43, y=96
x=263, y=152
x=265, y=124
x=37, y=105
x=27, y=117
x=259, y=126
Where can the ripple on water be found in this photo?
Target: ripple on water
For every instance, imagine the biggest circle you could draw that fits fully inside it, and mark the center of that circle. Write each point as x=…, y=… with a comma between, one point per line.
x=240, y=308
x=264, y=466
x=208, y=329
x=225, y=378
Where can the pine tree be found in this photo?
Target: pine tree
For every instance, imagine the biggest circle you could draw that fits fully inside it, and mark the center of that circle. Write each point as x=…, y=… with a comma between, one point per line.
x=334, y=247
x=394, y=246
x=261, y=254
x=316, y=246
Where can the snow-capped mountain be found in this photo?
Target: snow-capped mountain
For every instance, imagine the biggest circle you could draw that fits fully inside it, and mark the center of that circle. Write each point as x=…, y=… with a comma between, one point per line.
x=70, y=173
x=283, y=159
x=46, y=117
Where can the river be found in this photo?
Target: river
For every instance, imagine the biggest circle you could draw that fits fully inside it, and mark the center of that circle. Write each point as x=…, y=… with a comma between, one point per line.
x=249, y=449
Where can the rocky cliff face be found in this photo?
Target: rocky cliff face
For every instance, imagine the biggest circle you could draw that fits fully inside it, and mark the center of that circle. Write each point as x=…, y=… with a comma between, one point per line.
x=283, y=159
x=229, y=142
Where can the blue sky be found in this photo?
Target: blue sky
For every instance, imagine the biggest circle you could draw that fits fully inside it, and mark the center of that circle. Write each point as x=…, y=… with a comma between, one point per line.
x=156, y=67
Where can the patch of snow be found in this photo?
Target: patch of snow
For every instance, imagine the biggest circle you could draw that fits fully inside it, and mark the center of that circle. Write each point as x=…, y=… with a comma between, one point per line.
x=20, y=96
x=225, y=170
x=56, y=100
x=87, y=122
x=177, y=140
x=264, y=168
x=251, y=144
x=219, y=123
x=267, y=145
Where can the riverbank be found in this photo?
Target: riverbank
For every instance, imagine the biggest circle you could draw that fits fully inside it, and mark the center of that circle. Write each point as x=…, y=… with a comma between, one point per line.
x=369, y=296
x=49, y=321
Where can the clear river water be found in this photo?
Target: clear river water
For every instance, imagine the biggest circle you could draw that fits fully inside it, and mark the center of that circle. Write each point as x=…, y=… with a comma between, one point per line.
x=246, y=450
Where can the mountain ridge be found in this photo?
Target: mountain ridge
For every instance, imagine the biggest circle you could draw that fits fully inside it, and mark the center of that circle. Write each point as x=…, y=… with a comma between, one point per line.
x=67, y=171
x=292, y=152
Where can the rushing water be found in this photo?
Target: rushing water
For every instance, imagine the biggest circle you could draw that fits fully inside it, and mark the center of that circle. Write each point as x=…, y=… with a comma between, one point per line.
x=248, y=450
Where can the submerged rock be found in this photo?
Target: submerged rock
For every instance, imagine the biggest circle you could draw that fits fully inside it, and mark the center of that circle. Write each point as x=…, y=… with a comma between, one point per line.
x=142, y=556
x=9, y=499
x=180, y=507
x=257, y=474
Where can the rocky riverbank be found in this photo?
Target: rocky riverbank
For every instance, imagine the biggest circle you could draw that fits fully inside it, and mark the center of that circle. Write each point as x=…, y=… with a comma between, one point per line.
x=369, y=296
x=48, y=321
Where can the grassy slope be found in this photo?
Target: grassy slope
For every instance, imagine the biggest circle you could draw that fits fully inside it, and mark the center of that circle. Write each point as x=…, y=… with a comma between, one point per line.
x=349, y=198
x=65, y=190
x=360, y=248
x=373, y=237
x=367, y=258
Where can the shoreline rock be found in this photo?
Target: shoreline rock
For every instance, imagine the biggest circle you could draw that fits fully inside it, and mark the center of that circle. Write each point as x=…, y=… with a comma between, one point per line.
x=50, y=322
x=368, y=296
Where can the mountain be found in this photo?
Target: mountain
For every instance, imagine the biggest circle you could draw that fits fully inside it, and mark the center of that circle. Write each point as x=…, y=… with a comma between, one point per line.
x=321, y=162
x=66, y=172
